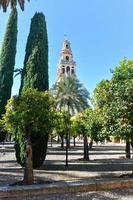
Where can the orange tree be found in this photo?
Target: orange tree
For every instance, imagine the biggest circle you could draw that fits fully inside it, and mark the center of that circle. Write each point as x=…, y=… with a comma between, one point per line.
x=62, y=127
x=115, y=100
x=79, y=127
x=89, y=124
x=32, y=111
x=120, y=109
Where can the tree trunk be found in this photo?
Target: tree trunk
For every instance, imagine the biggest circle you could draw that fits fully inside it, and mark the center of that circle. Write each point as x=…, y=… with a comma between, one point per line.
x=127, y=149
x=86, y=149
x=132, y=143
x=51, y=138
x=62, y=141
x=28, y=170
x=67, y=145
x=67, y=136
x=58, y=139
x=91, y=144
x=69, y=140
x=74, y=141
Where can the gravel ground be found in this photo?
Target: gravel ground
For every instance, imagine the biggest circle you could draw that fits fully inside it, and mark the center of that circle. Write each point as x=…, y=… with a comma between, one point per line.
x=106, y=161
x=126, y=194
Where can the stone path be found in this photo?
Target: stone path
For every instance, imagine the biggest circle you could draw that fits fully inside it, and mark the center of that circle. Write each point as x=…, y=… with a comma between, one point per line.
x=106, y=162
x=126, y=194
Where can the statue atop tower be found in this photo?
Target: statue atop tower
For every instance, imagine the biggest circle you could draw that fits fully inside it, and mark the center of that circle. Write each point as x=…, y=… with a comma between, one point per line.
x=66, y=65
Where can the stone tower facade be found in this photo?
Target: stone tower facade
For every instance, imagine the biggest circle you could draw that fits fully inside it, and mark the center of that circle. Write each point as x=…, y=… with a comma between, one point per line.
x=66, y=65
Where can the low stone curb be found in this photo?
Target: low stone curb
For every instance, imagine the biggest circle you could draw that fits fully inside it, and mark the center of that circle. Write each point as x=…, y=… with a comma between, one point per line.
x=32, y=190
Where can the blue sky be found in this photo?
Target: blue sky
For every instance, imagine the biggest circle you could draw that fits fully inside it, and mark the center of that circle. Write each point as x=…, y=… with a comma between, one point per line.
x=100, y=32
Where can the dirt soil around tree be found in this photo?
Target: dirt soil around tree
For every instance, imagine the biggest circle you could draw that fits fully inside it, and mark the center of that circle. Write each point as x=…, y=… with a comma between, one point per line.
x=107, y=161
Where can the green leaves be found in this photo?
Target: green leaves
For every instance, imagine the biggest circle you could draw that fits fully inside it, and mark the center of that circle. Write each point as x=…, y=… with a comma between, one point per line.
x=32, y=108
x=122, y=87
x=7, y=60
x=62, y=122
x=70, y=95
x=5, y=3
x=35, y=71
x=115, y=100
x=101, y=94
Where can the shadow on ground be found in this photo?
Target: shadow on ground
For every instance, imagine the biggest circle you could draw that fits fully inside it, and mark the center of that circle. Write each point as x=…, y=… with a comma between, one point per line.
x=103, y=166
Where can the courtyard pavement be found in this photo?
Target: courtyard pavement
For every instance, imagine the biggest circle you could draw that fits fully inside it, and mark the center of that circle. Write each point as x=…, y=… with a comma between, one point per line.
x=126, y=194
x=107, y=162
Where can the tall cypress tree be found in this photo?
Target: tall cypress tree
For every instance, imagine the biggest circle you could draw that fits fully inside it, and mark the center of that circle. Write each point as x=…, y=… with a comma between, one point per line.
x=35, y=75
x=35, y=72
x=7, y=60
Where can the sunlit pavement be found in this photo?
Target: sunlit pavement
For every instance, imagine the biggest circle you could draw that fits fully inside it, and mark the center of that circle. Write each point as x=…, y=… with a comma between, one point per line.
x=106, y=162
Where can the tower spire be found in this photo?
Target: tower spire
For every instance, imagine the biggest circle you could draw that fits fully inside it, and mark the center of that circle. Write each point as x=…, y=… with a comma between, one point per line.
x=66, y=65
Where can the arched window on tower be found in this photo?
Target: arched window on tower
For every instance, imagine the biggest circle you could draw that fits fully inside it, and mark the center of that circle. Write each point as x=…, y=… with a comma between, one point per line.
x=72, y=71
x=67, y=58
x=63, y=70
x=68, y=70
x=67, y=46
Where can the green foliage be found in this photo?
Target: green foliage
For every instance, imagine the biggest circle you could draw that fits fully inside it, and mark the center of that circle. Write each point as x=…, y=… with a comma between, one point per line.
x=114, y=98
x=75, y=126
x=94, y=124
x=89, y=123
x=35, y=75
x=34, y=109
x=62, y=122
x=79, y=124
x=5, y=3
x=7, y=60
x=120, y=109
x=35, y=72
x=29, y=108
x=70, y=95
x=101, y=94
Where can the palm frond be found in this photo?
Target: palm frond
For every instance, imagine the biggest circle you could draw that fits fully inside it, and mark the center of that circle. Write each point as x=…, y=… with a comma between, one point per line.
x=68, y=91
x=13, y=3
x=18, y=71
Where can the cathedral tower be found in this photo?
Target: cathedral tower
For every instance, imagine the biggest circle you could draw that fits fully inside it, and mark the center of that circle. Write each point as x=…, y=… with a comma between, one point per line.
x=66, y=65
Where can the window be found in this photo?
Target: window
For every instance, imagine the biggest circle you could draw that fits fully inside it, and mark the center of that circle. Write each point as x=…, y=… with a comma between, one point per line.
x=72, y=71
x=67, y=58
x=67, y=46
x=63, y=69
x=68, y=69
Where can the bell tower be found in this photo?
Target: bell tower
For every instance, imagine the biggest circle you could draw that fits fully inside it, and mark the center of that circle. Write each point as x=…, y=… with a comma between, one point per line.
x=66, y=65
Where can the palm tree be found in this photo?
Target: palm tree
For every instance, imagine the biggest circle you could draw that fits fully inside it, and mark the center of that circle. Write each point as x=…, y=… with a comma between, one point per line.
x=5, y=3
x=70, y=95
x=18, y=71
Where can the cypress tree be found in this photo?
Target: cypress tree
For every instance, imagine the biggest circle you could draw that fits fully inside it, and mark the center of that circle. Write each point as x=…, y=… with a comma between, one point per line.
x=7, y=61
x=35, y=75
x=35, y=72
